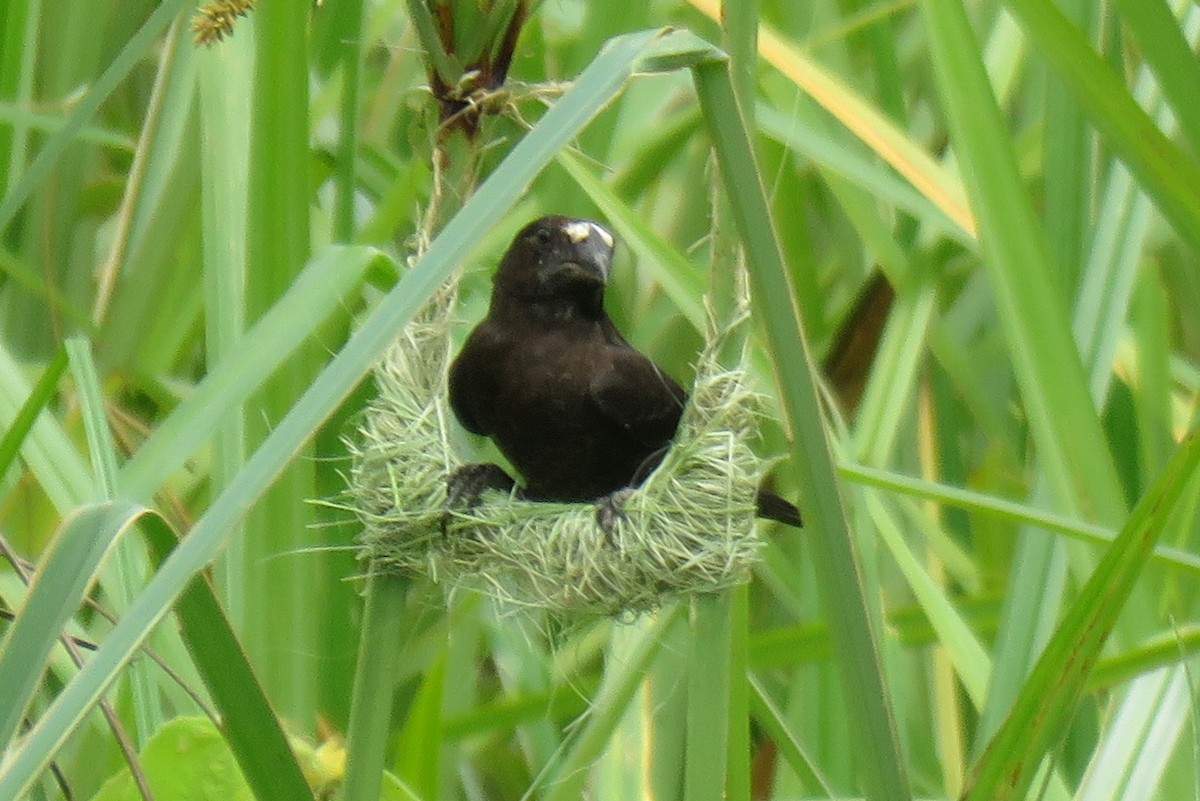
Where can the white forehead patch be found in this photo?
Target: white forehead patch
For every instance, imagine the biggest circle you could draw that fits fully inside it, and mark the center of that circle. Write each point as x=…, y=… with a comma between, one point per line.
x=579, y=230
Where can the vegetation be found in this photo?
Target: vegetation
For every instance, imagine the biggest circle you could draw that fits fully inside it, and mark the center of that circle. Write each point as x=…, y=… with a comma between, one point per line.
x=204, y=250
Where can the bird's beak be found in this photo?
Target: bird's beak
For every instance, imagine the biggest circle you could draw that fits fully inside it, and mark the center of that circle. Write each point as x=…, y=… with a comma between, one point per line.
x=591, y=251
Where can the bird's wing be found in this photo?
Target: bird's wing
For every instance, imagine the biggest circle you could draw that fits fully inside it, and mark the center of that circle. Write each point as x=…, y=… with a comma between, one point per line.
x=638, y=397
x=473, y=384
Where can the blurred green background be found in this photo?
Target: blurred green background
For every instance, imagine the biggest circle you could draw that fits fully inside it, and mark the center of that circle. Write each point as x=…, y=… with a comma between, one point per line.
x=188, y=234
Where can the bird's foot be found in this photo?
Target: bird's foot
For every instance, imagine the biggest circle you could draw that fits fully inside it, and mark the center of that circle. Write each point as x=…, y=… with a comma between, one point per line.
x=609, y=510
x=466, y=485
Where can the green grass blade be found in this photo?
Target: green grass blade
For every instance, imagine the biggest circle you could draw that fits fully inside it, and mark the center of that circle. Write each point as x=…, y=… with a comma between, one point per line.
x=43, y=391
x=1123, y=222
x=844, y=599
x=862, y=170
x=224, y=118
x=1070, y=151
x=1063, y=419
x=593, y=89
x=65, y=572
x=153, y=175
x=1140, y=740
x=324, y=286
x=1009, y=510
x=1172, y=58
x=128, y=564
x=47, y=450
x=1163, y=650
x=739, y=775
x=568, y=777
x=791, y=749
x=374, y=682
x=145, y=213
x=351, y=12
x=141, y=43
x=278, y=244
x=445, y=64
x=708, y=721
x=1079, y=473
x=1050, y=695
x=739, y=38
x=970, y=661
x=864, y=119
x=254, y=733
x=18, y=116
x=886, y=401
x=18, y=54
x=36, y=284
x=95, y=422
x=1168, y=174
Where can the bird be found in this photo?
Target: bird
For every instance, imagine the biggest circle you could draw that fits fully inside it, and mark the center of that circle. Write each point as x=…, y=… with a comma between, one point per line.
x=580, y=413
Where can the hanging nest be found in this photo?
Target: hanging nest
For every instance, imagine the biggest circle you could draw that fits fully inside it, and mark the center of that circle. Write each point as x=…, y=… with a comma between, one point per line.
x=688, y=529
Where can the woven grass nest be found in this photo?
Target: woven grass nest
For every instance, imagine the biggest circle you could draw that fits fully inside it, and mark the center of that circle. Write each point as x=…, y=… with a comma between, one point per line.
x=688, y=529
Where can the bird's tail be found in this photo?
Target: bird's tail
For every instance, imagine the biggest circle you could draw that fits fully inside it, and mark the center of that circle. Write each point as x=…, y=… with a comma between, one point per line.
x=772, y=507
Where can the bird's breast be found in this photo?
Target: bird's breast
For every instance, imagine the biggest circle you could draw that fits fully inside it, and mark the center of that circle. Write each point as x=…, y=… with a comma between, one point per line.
x=547, y=423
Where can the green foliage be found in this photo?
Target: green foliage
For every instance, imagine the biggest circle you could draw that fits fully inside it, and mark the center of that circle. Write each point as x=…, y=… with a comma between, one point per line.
x=186, y=758
x=205, y=251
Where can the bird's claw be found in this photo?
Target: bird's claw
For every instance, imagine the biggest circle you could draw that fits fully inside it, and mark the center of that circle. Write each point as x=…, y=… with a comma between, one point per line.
x=466, y=485
x=609, y=510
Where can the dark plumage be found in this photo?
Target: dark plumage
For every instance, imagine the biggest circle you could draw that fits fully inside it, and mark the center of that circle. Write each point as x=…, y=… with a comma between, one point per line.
x=574, y=407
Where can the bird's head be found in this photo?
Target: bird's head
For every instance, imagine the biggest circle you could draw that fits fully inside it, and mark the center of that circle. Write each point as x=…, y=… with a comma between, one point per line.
x=559, y=263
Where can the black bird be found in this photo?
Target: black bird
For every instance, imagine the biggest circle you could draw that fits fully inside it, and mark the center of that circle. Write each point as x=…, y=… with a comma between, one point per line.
x=575, y=408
